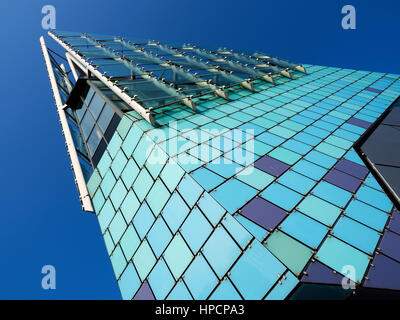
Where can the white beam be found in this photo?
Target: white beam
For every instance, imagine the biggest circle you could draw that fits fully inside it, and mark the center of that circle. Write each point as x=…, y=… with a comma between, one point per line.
x=75, y=164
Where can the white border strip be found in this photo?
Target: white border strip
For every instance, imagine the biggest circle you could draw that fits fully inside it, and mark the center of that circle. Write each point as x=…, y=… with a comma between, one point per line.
x=76, y=166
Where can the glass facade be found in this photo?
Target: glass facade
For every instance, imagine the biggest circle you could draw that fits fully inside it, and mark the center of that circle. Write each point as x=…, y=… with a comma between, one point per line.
x=259, y=196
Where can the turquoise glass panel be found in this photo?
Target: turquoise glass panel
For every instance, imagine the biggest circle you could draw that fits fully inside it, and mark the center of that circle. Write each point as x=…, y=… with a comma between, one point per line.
x=129, y=282
x=144, y=260
x=356, y=234
x=196, y=229
x=200, y=278
x=177, y=256
x=374, y=198
x=118, y=261
x=221, y=251
x=319, y=210
x=296, y=182
x=236, y=230
x=304, y=229
x=157, y=197
x=233, y=194
x=281, y=196
x=175, y=211
x=225, y=291
x=258, y=232
x=161, y=280
x=190, y=190
x=337, y=254
x=332, y=193
x=211, y=208
x=249, y=276
x=366, y=214
x=129, y=206
x=129, y=242
x=143, y=220
x=159, y=236
x=117, y=227
x=283, y=289
x=180, y=292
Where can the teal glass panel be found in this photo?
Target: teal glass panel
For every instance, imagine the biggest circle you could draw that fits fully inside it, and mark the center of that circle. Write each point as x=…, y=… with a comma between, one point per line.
x=321, y=159
x=249, y=276
x=258, y=232
x=118, y=261
x=118, y=194
x=117, y=227
x=196, y=229
x=283, y=289
x=211, y=208
x=366, y=214
x=309, y=169
x=118, y=163
x=142, y=184
x=221, y=251
x=319, y=210
x=236, y=230
x=98, y=200
x=304, y=229
x=177, y=256
x=130, y=173
x=114, y=145
x=157, y=197
x=207, y=179
x=281, y=196
x=255, y=178
x=337, y=254
x=161, y=280
x=330, y=150
x=233, y=194
x=190, y=190
x=200, y=278
x=144, y=260
x=104, y=164
x=296, y=182
x=131, y=140
x=175, y=211
x=332, y=193
x=356, y=234
x=129, y=282
x=285, y=155
x=225, y=291
x=105, y=215
x=171, y=175
x=94, y=182
x=290, y=252
x=129, y=242
x=374, y=198
x=129, y=206
x=180, y=292
x=159, y=236
x=143, y=220
x=108, y=183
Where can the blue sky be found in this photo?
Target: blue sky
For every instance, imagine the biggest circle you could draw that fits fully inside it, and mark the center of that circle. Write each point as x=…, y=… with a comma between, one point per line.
x=41, y=220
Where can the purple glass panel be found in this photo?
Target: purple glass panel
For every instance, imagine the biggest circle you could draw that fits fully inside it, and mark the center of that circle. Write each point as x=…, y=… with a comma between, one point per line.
x=384, y=274
x=319, y=273
x=343, y=180
x=373, y=90
x=263, y=213
x=359, y=122
x=271, y=166
x=394, y=223
x=144, y=293
x=390, y=245
x=352, y=168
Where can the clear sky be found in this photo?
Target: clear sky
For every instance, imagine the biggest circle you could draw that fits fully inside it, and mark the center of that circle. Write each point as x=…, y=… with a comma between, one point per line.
x=41, y=221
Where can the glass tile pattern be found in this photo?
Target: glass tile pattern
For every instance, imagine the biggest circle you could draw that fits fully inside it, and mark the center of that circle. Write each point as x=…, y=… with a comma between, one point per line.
x=256, y=194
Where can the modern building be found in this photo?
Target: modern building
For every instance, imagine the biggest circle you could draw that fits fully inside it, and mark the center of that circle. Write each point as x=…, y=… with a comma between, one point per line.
x=224, y=175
